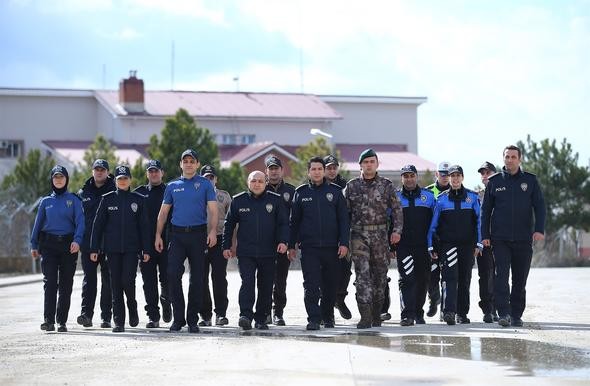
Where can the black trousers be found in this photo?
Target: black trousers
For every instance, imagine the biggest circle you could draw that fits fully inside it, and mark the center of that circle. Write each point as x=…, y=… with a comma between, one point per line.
x=149, y=274
x=457, y=262
x=58, y=266
x=344, y=271
x=320, y=275
x=279, y=293
x=214, y=259
x=256, y=272
x=413, y=266
x=512, y=256
x=486, y=271
x=123, y=267
x=89, y=286
x=189, y=245
x=434, y=282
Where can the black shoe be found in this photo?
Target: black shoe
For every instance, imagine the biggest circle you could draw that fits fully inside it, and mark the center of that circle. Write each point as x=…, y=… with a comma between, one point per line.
x=488, y=318
x=516, y=322
x=62, y=328
x=343, y=310
x=432, y=309
x=329, y=324
x=504, y=321
x=176, y=326
x=193, y=329
x=385, y=316
x=221, y=321
x=84, y=321
x=312, y=326
x=449, y=318
x=495, y=316
x=245, y=323
x=261, y=326
x=406, y=322
x=46, y=326
x=152, y=324
x=461, y=319
x=119, y=329
x=278, y=320
x=205, y=323
x=133, y=317
x=105, y=324
x=166, y=312
x=420, y=320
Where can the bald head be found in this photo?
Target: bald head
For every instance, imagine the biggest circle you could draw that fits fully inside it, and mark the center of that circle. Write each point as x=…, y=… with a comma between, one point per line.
x=257, y=182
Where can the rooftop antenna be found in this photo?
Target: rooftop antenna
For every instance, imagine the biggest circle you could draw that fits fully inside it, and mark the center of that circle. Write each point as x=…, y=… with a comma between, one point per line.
x=237, y=81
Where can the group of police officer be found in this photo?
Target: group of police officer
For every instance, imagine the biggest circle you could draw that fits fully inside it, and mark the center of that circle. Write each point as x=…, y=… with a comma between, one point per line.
x=440, y=228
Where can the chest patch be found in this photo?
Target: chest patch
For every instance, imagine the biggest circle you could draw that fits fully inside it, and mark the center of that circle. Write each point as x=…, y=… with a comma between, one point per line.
x=269, y=207
x=329, y=196
x=524, y=186
x=286, y=196
x=134, y=207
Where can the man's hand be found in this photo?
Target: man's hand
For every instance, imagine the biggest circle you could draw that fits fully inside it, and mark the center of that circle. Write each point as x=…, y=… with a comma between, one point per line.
x=146, y=257
x=538, y=236
x=282, y=248
x=94, y=257
x=227, y=254
x=394, y=238
x=433, y=254
x=159, y=243
x=486, y=242
x=212, y=238
x=74, y=247
x=291, y=254
x=476, y=252
x=35, y=253
x=342, y=251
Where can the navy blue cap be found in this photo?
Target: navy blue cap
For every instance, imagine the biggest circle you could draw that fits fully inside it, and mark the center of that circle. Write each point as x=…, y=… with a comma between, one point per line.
x=272, y=160
x=58, y=169
x=191, y=153
x=331, y=160
x=455, y=169
x=100, y=163
x=409, y=169
x=208, y=169
x=122, y=171
x=153, y=164
x=366, y=154
x=487, y=165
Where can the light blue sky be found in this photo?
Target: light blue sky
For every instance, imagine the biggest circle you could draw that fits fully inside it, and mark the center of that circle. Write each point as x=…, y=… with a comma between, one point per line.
x=493, y=71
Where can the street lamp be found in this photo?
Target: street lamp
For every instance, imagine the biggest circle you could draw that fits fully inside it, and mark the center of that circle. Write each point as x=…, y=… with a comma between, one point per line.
x=315, y=131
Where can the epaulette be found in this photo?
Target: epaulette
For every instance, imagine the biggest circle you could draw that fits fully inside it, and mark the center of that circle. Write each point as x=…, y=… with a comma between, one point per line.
x=107, y=193
x=288, y=184
x=301, y=186
x=139, y=194
x=240, y=194
x=444, y=192
x=336, y=185
x=494, y=175
x=529, y=173
x=273, y=193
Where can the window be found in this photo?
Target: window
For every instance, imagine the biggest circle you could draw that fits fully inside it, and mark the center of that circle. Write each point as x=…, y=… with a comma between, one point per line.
x=237, y=139
x=11, y=148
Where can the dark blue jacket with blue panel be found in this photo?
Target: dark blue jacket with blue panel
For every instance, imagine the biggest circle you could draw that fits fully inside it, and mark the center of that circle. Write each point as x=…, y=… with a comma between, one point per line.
x=263, y=224
x=418, y=207
x=456, y=218
x=319, y=217
x=91, y=196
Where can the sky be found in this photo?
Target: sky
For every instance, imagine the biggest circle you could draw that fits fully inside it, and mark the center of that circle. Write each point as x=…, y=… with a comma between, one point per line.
x=493, y=71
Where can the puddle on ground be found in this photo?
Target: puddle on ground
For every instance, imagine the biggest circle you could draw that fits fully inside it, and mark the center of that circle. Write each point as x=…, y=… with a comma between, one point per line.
x=525, y=356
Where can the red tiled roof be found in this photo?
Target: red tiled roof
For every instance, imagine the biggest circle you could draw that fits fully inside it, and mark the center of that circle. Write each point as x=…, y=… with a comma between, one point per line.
x=228, y=104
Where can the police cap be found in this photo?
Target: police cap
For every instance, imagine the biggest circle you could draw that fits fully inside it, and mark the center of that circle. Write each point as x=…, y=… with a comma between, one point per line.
x=153, y=164
x=409, y=169
x=331, y=160
x=366, y=154
x=272, y=160
x=122, y=171
x=487, y=165
x=191, y=153
x=100, y=163
x=455, y=169
x=208, y=170
x=58, y=169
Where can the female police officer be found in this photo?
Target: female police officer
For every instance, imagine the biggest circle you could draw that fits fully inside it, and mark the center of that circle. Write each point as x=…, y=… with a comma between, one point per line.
x=56, y=237
x=121, y=219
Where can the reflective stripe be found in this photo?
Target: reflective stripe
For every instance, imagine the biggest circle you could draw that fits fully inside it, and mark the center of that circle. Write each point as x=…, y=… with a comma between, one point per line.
x=409, y=271
x=433, y=267
x=451, y=250
x=452, y=263
x=408, y=265
x=452, y=257
x=402, y=305
x=406, y=259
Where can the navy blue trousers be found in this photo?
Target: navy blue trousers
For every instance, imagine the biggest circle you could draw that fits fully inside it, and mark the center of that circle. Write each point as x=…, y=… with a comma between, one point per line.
x=89, y=287
x=214, y=259
x=512, y=256
x=486, y=271
x=58, y=266
x=149, y=274
x=320, y=278
x=413, y=266
x=457, y=262
x=256, y=272
x=189, y=245
x=123, y=267
x=279, y=293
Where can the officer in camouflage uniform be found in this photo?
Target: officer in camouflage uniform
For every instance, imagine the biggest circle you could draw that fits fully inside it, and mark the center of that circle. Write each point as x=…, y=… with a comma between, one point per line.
x=370, y=198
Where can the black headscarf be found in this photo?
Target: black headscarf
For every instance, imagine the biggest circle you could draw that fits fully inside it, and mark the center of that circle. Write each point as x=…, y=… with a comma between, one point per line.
x=58, y=169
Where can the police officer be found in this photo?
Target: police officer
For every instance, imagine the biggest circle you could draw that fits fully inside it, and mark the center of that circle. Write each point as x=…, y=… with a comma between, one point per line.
x=100, y=183
x=120, y=218
x=320, y=226
x=154, y=193
x=190, y=198
x=440, y=185
x=511, y=198
x=456, y=221
x=56, y=238
x=274, y=172
x=370, y=198
x=345, y=264
x=214, y=259
x=485, y=262
x=413, y=259
x=263, y=231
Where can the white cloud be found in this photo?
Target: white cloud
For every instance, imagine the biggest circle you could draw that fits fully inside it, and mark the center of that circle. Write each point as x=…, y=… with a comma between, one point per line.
x=126, y=33
x=191, y=8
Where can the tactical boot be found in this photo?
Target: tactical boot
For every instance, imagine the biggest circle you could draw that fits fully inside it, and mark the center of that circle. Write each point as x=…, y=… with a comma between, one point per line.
x=376, y=313
x=366, y=316
x=344, y=311
x=166, y=312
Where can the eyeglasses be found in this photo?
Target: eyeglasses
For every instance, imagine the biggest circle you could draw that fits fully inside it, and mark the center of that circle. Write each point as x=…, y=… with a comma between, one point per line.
x=210, y=177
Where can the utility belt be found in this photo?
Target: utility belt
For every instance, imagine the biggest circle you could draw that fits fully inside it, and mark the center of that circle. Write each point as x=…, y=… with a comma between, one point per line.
x=188, y=229
x=377, y=227
x=48, y=237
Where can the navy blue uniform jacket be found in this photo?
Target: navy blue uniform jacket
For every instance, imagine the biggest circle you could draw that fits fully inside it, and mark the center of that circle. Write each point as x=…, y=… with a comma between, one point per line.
x=121, y=218
x=319, y=217
x=91, y=196
x=263, y=224
x=418, y=206
x=508, y=207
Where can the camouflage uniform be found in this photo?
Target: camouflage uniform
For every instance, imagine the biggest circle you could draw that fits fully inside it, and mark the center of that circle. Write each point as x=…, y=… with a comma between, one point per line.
x=371, y=204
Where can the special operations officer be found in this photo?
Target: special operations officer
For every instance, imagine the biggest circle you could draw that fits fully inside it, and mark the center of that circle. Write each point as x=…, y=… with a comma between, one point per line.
x=262, y=233
x=320, y=226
